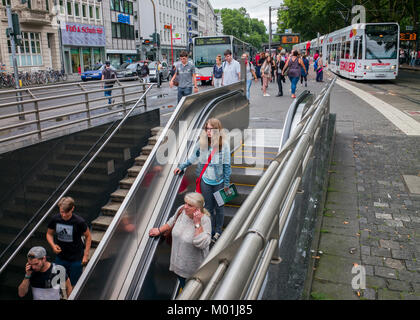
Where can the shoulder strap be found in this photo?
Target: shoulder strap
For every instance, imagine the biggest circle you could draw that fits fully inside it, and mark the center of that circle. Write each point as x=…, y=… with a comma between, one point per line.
x=207, y=164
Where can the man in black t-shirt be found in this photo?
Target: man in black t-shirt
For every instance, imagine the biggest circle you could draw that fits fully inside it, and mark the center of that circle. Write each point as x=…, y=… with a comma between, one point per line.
x=108, y=73
x=45, y=278
x=69, y=228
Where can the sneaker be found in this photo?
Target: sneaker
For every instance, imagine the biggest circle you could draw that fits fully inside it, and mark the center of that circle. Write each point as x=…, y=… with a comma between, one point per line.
x=266, y=95
x=215, y=237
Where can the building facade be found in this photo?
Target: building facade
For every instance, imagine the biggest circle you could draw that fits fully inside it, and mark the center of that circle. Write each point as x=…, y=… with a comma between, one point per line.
x=119, y=21
x=166, y=14
x=40, y=47
x=82, y=33
x=219, y=24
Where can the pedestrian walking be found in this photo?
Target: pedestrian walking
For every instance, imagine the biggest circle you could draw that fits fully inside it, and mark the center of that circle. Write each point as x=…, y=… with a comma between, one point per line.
x=45, y=278
x=144, y=73
x=250, y=74
x=190, y=229
x=319, y=63
x=257, y=65
x=231, y=69
x=69, y=228
x=217, y=72
x=212, y=149
x=266, y=75
x=185, y=73
x=260, y=63
x=303, y=73
x=273, y=68
x=280, y=77
x=413, y=57
x=294, y=63
x=107, y=74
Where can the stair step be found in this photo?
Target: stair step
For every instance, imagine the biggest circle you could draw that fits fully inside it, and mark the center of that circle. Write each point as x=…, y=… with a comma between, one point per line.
x=119, y=195
x=102, y=222
x=134, y=171
x=140, y=160
x=145, y=151
x=111, y=208
x=97, y=237
x=127, y=182
x=156, y=130
x=153, y=140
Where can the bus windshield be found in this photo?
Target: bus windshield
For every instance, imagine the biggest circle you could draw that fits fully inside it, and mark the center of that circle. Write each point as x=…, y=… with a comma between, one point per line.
x=381, y=41
x=205, y=55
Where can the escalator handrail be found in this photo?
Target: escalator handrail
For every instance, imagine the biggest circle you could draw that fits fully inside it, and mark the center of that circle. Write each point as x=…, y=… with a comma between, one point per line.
x=76, y=178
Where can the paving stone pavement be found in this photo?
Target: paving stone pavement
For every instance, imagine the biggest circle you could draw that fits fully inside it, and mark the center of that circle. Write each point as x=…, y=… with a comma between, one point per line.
x=371, y=221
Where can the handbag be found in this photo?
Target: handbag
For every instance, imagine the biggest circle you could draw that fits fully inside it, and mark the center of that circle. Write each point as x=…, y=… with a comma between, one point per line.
x=168, y=233
x=198, y=180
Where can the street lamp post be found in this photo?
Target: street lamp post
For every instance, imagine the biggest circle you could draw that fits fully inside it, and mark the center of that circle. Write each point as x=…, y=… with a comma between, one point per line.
x=156, y=36
x=270, y=34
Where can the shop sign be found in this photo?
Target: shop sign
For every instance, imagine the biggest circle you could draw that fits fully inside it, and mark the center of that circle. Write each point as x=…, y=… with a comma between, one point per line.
x=76, y=34
x=123, y=18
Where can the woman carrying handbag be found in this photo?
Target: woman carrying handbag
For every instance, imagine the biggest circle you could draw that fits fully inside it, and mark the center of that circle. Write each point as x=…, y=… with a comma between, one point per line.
x=190, y=229
x=212, y=152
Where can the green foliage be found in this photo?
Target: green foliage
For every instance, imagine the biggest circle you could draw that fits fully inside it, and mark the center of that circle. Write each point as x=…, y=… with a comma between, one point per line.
x=236, y=22
x=308, y=17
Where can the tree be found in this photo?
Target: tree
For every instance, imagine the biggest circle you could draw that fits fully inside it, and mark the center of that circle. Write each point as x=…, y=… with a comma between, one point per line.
x=308, y=17
x=238, y=23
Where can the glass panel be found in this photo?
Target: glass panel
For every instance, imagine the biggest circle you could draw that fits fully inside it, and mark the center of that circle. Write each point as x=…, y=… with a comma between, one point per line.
x=98, y=15
x=87, y=59
x=75, y=60
x=33, y=48
x=76, y=9
x=111, y=4
x=69, y=11
x=91, y=12
x=381, y=41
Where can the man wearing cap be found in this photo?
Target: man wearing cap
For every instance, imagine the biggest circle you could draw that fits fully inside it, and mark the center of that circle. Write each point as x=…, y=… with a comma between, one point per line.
x=69, y=228
x=45, y=278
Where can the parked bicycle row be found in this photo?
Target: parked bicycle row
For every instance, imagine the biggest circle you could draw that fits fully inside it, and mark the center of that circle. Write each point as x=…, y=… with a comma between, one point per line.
x=7, y=80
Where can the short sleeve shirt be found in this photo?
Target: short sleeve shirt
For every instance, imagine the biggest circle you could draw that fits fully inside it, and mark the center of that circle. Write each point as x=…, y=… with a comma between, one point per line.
x=69, y=236
x=249, y=68
x=43, y=284
x=185, y=74
x=230, y=72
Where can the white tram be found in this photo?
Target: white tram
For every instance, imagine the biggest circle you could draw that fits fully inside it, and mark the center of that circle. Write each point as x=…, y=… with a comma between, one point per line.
x=367, y=51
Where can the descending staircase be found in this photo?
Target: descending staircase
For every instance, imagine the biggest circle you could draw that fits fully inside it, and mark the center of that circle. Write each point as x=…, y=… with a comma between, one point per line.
x=101, y=224
x=90, y=192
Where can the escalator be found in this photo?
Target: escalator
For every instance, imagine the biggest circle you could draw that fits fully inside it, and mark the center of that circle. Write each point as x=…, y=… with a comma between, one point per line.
x=130, y=265
x=127, y=263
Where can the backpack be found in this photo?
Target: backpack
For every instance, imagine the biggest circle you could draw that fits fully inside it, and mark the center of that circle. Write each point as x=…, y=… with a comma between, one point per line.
x=316, y=64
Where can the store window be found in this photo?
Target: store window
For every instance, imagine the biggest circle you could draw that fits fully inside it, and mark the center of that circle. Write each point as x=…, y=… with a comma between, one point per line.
x=29, y=53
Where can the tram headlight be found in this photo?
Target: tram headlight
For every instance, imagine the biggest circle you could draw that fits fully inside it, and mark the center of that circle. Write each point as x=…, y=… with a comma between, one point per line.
x=393, y=67
x=367, y=67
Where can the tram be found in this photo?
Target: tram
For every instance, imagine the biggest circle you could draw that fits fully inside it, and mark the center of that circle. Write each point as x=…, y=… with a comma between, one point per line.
x=365, y=51
x=206, y=49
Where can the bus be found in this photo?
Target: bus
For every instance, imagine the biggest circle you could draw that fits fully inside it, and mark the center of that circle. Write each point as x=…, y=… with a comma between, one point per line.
x=206, y=49
x=364, y=51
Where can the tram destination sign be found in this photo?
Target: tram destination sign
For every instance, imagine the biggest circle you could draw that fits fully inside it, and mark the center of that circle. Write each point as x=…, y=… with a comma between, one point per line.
x=212, y=40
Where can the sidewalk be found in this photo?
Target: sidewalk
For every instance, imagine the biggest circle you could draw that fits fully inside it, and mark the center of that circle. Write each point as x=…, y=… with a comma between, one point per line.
x=371, y=219
x=408, y=67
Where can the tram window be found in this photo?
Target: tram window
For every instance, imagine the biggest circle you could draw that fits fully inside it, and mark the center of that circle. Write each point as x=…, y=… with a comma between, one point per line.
x=355, y=46
x=343, y=50
x=347, y=54
x=360, y=50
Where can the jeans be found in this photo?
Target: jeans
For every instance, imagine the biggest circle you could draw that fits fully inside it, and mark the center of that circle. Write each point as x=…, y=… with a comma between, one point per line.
x=248, y=88
x=108, y=93
x=294, y=81
x=74, y=269
x=319, y=75
x=216, y=212
x=412, y=62
x=184, y=92
x=279, y=84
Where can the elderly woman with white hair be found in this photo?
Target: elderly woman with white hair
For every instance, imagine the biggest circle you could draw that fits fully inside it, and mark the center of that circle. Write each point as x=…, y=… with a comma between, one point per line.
x=191, y=236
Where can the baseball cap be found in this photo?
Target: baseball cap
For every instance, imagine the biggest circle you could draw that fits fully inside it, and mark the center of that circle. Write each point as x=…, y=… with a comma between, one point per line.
x=36, y=253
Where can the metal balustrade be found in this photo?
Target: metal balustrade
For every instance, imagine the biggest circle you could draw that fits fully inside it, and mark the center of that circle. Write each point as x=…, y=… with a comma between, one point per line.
x=39, y=108
x=237, y=264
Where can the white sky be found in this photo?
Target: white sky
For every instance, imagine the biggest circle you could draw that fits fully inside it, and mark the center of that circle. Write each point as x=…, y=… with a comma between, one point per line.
x=255, y=8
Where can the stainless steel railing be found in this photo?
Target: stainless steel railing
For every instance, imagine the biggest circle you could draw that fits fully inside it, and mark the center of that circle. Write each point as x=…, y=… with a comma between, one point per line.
x=237, y=264
x=40, y=108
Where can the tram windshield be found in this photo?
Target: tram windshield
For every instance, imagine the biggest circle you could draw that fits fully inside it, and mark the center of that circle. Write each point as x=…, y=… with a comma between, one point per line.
x=207, y=49
x=381, y=41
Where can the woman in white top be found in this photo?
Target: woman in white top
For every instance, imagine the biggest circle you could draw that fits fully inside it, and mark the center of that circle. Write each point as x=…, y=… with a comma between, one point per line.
x=191, y=236
x=266, y=74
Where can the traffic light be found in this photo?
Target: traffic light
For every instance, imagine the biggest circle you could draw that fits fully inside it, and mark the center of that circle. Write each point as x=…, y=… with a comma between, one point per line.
x=155, y=38
x=16, y=29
